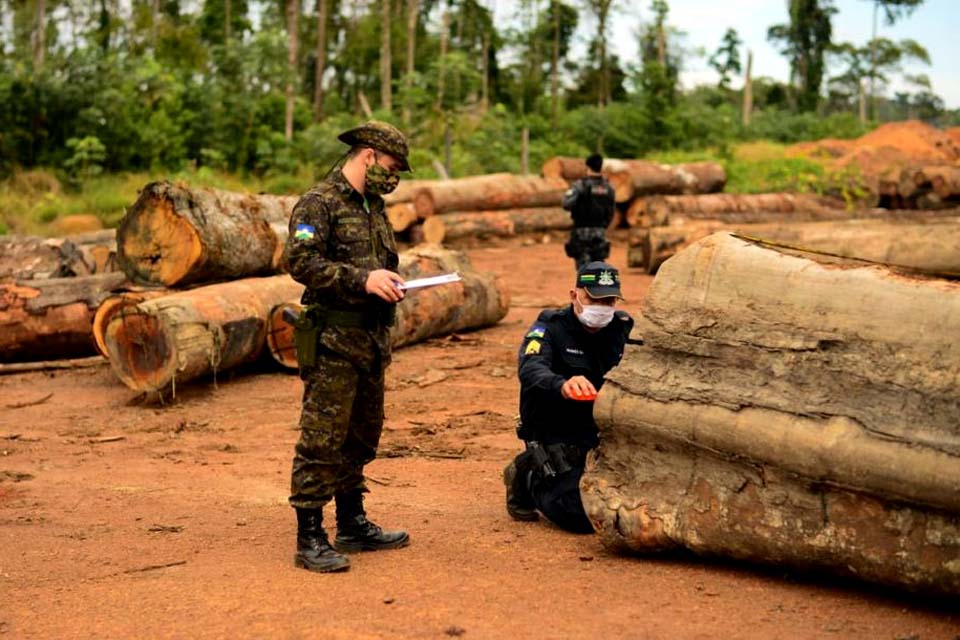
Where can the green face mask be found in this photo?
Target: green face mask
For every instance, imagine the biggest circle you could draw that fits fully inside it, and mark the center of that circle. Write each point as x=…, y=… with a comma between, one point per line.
x=380, y=180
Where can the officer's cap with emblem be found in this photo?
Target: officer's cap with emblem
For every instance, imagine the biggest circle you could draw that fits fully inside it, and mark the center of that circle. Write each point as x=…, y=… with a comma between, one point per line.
x=381, y=136
x=600, y=279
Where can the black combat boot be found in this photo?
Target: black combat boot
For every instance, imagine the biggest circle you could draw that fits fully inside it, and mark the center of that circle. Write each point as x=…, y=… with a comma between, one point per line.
x=314, y=552
x=356, y=533
x=519, y=501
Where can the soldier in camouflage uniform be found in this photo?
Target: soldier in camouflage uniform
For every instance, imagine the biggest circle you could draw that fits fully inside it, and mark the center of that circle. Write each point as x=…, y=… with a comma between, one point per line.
x=590, y=202
x=342, y=248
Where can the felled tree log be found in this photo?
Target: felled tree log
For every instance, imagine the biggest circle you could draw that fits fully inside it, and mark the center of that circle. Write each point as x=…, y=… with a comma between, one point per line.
x=635, y=178
x=402, y=216
x=631, y=178
x=51, y=318
x=170, y=340
x=943, y=180
x=116, y=305
x=789, y=409
x=927, y=242
x=654, y=211
x=406, y=190
x=176, y=235
x=31, y=257
x=487, y=192
x=480, y=300
x=484, y=224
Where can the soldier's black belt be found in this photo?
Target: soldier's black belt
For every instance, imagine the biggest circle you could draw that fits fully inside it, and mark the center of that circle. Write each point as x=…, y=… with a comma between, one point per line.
x=365, y=319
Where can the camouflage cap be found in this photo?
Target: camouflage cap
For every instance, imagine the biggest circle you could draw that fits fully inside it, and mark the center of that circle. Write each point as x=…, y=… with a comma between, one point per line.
x=381, y=136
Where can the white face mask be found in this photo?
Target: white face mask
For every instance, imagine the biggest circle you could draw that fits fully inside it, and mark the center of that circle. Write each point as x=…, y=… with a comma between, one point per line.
x=596, y=316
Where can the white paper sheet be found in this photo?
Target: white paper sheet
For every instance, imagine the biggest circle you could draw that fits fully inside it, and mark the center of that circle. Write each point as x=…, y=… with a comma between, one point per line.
x=432, y=281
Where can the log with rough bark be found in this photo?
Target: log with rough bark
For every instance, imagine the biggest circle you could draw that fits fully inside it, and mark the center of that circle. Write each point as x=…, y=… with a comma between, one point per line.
x=789, y=409
x=175, y=235
x=927, y=241
x=172, y=339
x=942, y=180
x=31, y=257
x=487, y=192
x=484, y=224
x=480, y=300
x=635, y=178
x=631, y=178
x=656, y=211
x=52, y=318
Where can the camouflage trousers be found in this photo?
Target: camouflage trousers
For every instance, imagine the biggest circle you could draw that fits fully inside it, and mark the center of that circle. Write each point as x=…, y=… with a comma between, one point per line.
x=340, y=426
x=588, y=244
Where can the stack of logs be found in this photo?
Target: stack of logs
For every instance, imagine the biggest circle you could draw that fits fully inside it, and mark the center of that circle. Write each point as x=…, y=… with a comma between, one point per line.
x=198, y=293
x=922, y=239
x=923, y=187
x=485, y=206
x=787, y=408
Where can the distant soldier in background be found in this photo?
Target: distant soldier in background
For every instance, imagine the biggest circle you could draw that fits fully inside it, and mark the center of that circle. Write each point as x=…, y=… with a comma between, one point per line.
x=590, y=202
x=342, y=248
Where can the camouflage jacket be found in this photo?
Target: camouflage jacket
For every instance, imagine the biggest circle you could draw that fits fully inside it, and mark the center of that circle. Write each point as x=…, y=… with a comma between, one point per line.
x=337, y=237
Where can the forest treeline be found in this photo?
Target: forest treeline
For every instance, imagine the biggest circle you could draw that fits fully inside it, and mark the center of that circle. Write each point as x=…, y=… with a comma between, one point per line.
x=263, y=86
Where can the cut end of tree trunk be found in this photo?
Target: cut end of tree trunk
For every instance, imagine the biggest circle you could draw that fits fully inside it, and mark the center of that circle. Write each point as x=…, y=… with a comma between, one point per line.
x=114, y=306
x=280, y=340
x=141, y=351
x=156, y=243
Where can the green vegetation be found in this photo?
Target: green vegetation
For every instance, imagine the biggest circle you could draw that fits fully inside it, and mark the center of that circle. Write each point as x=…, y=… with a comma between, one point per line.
x=96, y=99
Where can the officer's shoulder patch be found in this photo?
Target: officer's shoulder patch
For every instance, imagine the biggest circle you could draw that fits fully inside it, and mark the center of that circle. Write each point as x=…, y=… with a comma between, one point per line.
x=304, y=232
x=537, y=331
x=533, y=347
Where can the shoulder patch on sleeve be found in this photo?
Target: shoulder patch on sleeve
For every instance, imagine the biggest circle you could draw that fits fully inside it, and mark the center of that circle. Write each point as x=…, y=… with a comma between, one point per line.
x=533, y=347
x=537, y=331
x=304, y=232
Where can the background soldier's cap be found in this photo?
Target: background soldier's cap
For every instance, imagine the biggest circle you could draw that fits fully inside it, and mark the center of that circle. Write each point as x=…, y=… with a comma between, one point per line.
x=381, y=136
x=600, y=279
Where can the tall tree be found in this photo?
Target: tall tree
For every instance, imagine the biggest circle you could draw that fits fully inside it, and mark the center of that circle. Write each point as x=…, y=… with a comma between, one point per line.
x=412, y=20
x=893, y=10
x=386, y=64
x=40, y=36
x=321, y=63
x=805, y=41
x=293, y=42
x=601, y=10
x=726, y=59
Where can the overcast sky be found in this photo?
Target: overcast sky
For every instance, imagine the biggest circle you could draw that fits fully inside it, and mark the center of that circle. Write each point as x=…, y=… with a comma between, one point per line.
x=935, y=25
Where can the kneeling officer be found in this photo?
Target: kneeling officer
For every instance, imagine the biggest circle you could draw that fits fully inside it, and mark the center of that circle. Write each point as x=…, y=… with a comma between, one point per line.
x=563, y=359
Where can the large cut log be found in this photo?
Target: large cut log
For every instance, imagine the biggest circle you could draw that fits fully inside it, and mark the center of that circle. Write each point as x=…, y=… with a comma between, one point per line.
x=175, y=235
x=928, y=242
x=635, y=178
x=172, y=339
x=791, y=409
x=480, y=300
x=655, y=211
x=116, y=305
x=51, y=319
x=406, y=190
x=401, y=216
x=631, y=178
x=486, y=224
x=31, y=257
x=493, y=191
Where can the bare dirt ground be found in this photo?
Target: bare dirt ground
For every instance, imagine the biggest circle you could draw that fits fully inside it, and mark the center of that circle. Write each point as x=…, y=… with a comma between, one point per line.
x=119, y=519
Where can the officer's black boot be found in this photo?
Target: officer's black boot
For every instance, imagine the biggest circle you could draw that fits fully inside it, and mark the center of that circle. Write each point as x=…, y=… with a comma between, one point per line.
x=314, y=552
x=356, y=533
x=519, y=501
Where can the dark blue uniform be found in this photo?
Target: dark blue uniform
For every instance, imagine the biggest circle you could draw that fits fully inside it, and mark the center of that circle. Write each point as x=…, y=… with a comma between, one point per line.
x=557, y=347
x=591, y=202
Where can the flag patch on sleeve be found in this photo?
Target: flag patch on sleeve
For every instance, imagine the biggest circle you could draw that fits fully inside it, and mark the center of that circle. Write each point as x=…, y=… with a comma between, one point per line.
x=304, y=232
x=537, y=331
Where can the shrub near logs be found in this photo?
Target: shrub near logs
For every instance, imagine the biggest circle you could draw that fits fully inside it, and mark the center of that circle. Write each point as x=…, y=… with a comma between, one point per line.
x=787, y=409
